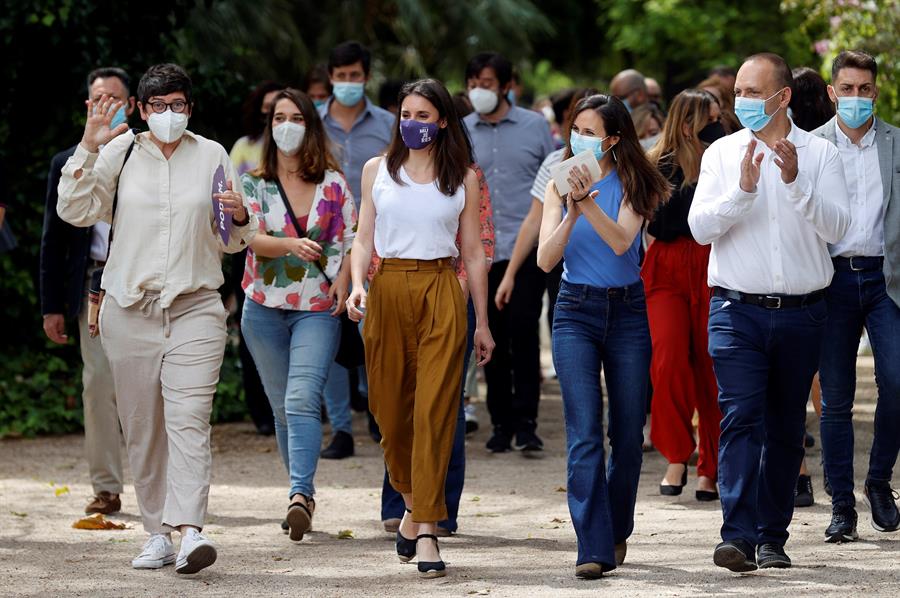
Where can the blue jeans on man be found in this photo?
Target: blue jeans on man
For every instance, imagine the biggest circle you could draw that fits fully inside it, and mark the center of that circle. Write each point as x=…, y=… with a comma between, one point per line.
x=392, y=506
x=764, y=360
x=597, y=328
x=856, y=300
x=293, y=352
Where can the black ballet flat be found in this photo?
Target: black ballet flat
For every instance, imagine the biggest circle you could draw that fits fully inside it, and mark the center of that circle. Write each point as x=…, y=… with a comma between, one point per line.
x=667, y=490
x=707, y=495
x=406, y=548
x=434, y=569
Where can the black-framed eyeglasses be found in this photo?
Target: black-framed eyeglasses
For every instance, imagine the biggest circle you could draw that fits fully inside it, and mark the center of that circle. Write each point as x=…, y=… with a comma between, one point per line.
x=159, y=106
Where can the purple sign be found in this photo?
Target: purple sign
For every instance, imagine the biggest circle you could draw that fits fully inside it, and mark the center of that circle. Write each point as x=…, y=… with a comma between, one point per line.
x=222, y=220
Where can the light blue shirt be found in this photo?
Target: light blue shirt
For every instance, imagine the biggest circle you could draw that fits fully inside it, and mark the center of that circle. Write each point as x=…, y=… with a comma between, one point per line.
x=510, y=153
x=588, y=259
x=369, y=136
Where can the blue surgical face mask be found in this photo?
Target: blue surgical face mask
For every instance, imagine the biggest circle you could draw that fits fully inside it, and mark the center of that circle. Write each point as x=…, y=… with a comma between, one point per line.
x=855, y=111
x=752, y=111
x=580, y=143
x=511, y=97
x=319, y=103
x=347, y=93
x=627, y=105
x=118, y=118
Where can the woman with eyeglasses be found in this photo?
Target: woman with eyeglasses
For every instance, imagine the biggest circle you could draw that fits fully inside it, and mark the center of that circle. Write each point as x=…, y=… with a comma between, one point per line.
x=162, y=322
x=601, y=322
x=674, y=273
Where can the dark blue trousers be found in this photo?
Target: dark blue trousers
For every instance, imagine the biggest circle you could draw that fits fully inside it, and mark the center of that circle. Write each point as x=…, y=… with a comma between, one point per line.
x=857, y=299
x=765, y=361
x=392, y=502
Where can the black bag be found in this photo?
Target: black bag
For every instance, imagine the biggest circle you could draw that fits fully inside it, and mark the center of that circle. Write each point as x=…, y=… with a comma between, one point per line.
x=350, y=353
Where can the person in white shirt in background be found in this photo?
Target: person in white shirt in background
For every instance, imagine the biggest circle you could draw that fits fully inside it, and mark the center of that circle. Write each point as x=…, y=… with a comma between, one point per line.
x=865, y=293
x=162, y=322
x=769, y=199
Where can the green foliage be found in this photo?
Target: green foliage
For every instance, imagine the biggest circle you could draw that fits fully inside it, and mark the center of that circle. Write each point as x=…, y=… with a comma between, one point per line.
x=678, y=41
x=872, y=26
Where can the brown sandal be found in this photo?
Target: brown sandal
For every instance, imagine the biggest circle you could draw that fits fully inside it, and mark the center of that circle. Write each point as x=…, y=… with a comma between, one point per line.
x=299, y=518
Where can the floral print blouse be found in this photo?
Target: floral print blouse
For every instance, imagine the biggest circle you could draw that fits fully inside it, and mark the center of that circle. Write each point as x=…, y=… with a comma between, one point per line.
x=288, y=282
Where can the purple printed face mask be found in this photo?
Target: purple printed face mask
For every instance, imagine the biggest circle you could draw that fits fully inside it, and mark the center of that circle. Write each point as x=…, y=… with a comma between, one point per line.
x=417, y=135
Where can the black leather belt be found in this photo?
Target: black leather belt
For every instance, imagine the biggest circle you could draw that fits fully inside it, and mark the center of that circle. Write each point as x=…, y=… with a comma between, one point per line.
x=858, y=263
x=770, y=301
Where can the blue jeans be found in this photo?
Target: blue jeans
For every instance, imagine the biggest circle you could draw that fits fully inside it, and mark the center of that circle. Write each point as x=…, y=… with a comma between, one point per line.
x=337, y=397
x=764, y=361
x=596, y=328
x=293, y=351
x=392, y=506
x=857, y=299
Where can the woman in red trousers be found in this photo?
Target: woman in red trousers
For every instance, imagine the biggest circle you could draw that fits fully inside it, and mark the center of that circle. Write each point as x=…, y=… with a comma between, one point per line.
x=674, y=274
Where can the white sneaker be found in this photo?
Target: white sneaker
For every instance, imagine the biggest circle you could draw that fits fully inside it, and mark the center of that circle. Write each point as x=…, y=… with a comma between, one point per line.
x=158, y=552
x=196, y=553
x=471, y=418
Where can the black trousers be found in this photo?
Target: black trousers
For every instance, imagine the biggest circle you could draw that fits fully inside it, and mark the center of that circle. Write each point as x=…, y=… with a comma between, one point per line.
x=513, y=375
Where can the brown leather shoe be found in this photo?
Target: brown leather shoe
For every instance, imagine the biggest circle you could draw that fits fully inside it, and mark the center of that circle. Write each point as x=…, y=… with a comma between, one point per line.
x=105, y=503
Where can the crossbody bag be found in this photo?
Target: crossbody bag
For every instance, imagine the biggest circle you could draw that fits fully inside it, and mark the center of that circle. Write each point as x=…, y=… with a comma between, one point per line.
x=350, y=353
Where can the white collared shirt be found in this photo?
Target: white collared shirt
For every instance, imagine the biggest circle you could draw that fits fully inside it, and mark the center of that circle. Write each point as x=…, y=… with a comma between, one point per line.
x=773, y=240
x=165, y=236
x=865, y=237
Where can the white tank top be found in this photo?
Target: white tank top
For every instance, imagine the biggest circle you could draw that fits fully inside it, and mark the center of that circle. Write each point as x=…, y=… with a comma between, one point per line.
x=414, y=220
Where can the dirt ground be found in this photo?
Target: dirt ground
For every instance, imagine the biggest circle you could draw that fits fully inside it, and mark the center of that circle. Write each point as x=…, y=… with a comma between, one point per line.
x=515, y=535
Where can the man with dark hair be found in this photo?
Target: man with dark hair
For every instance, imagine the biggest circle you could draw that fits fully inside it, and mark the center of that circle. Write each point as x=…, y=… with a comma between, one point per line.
x=768, y=199
x=69, y=256
x=510, y=144
x=865, y=293
x=359, y=130
x=630, y=86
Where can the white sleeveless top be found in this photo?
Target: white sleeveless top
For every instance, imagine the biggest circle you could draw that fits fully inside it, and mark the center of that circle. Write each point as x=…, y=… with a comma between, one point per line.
x=414, y=220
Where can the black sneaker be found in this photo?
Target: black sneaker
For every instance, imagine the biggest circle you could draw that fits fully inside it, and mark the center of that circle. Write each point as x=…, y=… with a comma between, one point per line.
x=735, y=555
x=285, y=527
x=809, y=441
x=803, y=493
x=881, y=497
x=341, y=446
x=529, y=443
x=772, y=556
x=499, y=441
x=843, y=525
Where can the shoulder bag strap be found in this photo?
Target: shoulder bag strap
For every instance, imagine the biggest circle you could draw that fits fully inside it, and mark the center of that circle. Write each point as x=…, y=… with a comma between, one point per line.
x=300, y=230
x=112, y=220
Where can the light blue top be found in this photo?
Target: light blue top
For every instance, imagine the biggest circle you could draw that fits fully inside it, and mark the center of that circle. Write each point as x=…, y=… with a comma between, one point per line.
x=369, y=136
x=510, y=153
x=588, y=259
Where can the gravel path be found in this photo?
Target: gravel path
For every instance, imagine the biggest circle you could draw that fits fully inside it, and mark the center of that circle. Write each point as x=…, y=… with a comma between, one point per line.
x=515, y=534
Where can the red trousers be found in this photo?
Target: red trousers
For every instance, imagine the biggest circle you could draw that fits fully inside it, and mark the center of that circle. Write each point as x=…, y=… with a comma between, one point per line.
x=681, y=370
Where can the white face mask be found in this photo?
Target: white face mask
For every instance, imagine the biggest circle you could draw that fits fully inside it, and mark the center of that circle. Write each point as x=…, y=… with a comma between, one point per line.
x=168, y=126
x=288, y=136
x=484, y=101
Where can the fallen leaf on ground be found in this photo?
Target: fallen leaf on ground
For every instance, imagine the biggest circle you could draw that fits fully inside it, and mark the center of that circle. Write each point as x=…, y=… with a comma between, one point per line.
x=61, y=490
x=345, y=534
x=97, y=521
x=558, y=520
x=18, y=514
x=561, y=489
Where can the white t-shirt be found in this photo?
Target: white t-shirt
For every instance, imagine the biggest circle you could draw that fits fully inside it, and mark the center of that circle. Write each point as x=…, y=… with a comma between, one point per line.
x=414, y=220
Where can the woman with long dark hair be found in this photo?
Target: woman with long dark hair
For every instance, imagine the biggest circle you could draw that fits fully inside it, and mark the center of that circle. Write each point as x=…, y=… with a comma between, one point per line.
x=415, y=200
x=601, y=322
x=674, y=273
x=296, y=280
x=810, y=107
